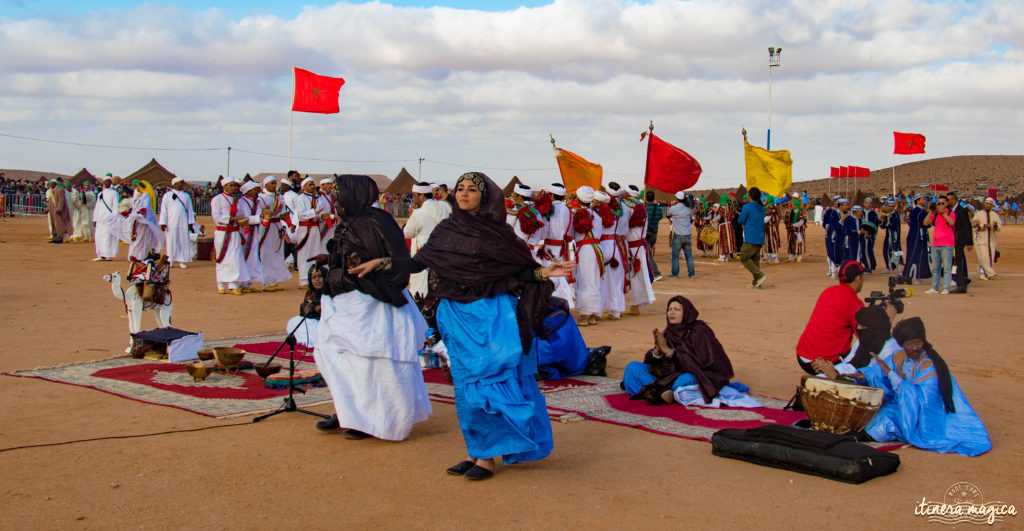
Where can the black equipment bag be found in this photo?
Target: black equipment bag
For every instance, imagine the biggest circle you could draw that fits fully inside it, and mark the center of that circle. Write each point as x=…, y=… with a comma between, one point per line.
x=831, y=456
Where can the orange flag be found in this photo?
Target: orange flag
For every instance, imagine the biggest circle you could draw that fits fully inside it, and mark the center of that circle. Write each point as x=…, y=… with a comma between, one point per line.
x=577, y=171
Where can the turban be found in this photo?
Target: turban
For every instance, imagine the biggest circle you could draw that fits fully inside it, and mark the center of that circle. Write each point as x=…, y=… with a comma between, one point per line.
x=990, y=201
x=555, y=188
x=585, y=194
x=107, y=177
x=680, y=195
x=249, y=185
x=616, y=193
x=724, y=201
x=857, y=208
x=524, y=191
x=308, y=179
x=269, y=179
x=907, y=329
x=422, y=188
x=601, y=197
x=634, y=190
x=177, y=180
x=229, y=180
x=327, y=180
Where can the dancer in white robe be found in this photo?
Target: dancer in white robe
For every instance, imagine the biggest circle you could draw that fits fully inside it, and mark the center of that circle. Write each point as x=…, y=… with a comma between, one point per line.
x=227, y=243
x=249, y=232
x=325, y=204
x=83, y=201
x=532, y=237
x=637, y=268
x=558, y=244
x=421, y=223
x=177, y=220
x=587, y=229
x=306, y=218
x=106, y=208
x=140, y=227
x=370, y=330
x=270, y=243
x=613, y=297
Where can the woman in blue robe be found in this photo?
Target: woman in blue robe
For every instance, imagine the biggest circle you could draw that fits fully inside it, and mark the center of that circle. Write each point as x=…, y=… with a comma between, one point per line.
x=493, y=298
x=923, y=404
x=918, y=249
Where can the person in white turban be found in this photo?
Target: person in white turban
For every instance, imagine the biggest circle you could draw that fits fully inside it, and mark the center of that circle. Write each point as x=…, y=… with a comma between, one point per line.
x=177, y=220
x=306, y=218
x=271, y=235
x=227, y=242
x=587, y=228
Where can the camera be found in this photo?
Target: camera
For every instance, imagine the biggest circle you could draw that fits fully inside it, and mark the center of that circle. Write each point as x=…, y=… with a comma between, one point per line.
x=894, y=295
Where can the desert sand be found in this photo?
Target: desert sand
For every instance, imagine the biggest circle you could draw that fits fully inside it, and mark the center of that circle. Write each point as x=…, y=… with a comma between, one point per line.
x=56, y=309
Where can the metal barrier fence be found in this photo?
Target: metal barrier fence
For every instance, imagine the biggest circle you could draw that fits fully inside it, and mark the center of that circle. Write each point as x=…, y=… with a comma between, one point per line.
x=24, y=204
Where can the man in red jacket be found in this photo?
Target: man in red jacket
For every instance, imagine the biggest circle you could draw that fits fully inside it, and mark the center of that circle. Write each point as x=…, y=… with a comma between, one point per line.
x=833, y=320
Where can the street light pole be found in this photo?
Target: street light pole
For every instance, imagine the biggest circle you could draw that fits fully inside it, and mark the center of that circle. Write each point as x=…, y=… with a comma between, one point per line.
x=774, y=59
x=419, y=173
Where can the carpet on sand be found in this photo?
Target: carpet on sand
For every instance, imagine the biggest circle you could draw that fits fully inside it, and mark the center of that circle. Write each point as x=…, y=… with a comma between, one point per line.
x=244, y=393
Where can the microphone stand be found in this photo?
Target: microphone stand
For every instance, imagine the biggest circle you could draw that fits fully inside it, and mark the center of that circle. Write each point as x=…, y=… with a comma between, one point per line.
x=289, y=401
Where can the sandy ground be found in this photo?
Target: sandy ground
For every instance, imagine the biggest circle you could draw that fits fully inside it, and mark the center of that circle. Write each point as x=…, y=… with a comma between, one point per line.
x=55, y=309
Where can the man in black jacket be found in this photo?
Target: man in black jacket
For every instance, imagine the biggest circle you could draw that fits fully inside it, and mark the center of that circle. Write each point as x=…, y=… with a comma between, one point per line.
x=963, y=236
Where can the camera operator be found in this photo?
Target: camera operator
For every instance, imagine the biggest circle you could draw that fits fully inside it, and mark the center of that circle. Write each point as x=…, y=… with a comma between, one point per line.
x=834, y=319
x=943, y=241
x=963, y=238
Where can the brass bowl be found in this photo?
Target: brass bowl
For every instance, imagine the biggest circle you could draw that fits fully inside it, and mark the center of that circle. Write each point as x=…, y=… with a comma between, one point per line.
x=198, y=371
x=205, y=354
x=267, y=370
x=228, y=356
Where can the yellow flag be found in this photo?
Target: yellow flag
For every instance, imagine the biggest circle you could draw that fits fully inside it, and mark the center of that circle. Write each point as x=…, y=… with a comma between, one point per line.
x=577, y=171
x=770, y=171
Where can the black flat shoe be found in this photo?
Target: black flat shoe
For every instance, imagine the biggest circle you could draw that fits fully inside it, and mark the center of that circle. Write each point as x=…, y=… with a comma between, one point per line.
x=478, y=473
x=357, y=435
x=328, y=424
x=461, y=468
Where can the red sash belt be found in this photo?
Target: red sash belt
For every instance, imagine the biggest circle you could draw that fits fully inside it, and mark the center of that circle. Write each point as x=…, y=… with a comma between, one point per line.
x=606, y=237
x=227, y=229
x=309, y=223
x=633, y=244
x=589, y=241
x=558, y=243
x=271, y=220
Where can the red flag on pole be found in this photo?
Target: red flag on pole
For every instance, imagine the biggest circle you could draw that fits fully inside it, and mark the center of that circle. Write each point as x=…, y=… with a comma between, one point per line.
x=844, y=171
x=939, y=188
x=315, y=93
x=862, y=172
x=907, y=143
x=669, y=168
x=833, y=171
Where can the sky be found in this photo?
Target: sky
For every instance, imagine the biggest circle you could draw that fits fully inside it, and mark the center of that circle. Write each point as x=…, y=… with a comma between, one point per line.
x=481, y=85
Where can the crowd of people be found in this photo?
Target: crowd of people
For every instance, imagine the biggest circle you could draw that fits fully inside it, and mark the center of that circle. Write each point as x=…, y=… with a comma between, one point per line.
x=492, y=283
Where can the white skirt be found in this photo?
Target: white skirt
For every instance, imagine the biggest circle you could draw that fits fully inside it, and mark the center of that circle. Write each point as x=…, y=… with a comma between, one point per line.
x=367, y=351
x=305, y=334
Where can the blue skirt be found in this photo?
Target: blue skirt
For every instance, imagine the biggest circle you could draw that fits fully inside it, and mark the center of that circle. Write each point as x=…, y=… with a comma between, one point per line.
x=500, y=408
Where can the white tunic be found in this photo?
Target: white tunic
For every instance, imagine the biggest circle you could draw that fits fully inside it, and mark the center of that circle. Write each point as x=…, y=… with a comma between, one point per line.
x=307, y=233
x=640, y=280
x=106, y=206
x=367, y=352
x=417, y=229
x=250, y=245
x=269, y=242
x=82, y=204
x=231, y=268
x=556, y=245
x=177, y=215
x=613, y=297
x=325, y=204
x=588, y=268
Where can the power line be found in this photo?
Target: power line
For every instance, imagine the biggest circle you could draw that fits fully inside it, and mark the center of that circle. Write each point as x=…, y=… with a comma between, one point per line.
x=319, y=159
x=107, y=146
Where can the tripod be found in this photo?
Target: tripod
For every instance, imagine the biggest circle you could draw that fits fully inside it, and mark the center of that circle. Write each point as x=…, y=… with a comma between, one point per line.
x=289, y=401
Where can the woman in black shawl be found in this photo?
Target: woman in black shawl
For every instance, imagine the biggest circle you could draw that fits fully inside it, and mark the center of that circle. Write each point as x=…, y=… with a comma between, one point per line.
x=369, y=335
x=493, y=300
x=686, y=353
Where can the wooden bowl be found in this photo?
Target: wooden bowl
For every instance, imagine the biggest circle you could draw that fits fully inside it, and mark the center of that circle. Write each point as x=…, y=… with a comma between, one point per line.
x=198, y=371
x=228, y=356
x=205, y=354
x=267, y=370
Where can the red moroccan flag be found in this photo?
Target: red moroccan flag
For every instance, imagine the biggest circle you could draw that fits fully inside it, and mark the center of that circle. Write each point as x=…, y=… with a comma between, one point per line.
x=862, y=172
x=939, y=188
x=908, y=143
x=314, y=93
x=844, y=171
x=833, y=171
x=669, y=168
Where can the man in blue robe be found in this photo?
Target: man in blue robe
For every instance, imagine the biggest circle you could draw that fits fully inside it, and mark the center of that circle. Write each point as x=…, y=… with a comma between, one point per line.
x=923, y=404
x=853, y=235
x=918, y=248
x=892, y=248
x=833, y=237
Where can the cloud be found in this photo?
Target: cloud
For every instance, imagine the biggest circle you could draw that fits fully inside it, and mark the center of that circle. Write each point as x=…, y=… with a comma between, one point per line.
x=486, y=88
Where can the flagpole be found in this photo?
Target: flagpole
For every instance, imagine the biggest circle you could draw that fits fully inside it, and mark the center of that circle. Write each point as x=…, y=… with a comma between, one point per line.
x=228, y=174
x=291, y=114
x=894, y=175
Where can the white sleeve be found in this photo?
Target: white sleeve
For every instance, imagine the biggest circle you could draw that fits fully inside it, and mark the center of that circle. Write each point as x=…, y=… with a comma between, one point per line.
x=164, y=203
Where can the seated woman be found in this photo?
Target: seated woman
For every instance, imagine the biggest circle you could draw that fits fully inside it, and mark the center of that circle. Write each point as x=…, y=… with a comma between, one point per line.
x=686, y=354
x=559, y=348
x=305, y=334
x=923, y=404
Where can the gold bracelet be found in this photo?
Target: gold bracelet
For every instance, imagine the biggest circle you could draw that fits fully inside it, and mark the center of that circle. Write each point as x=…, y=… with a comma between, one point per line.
x=385, y=264
x=539, y=275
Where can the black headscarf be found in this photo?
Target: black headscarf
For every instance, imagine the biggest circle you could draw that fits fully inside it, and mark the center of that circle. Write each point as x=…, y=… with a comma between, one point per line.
x=310, y=306
x=477, y=255
x=874, y=331
x=913, y=328
x=696, y=351
x=365, y=233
